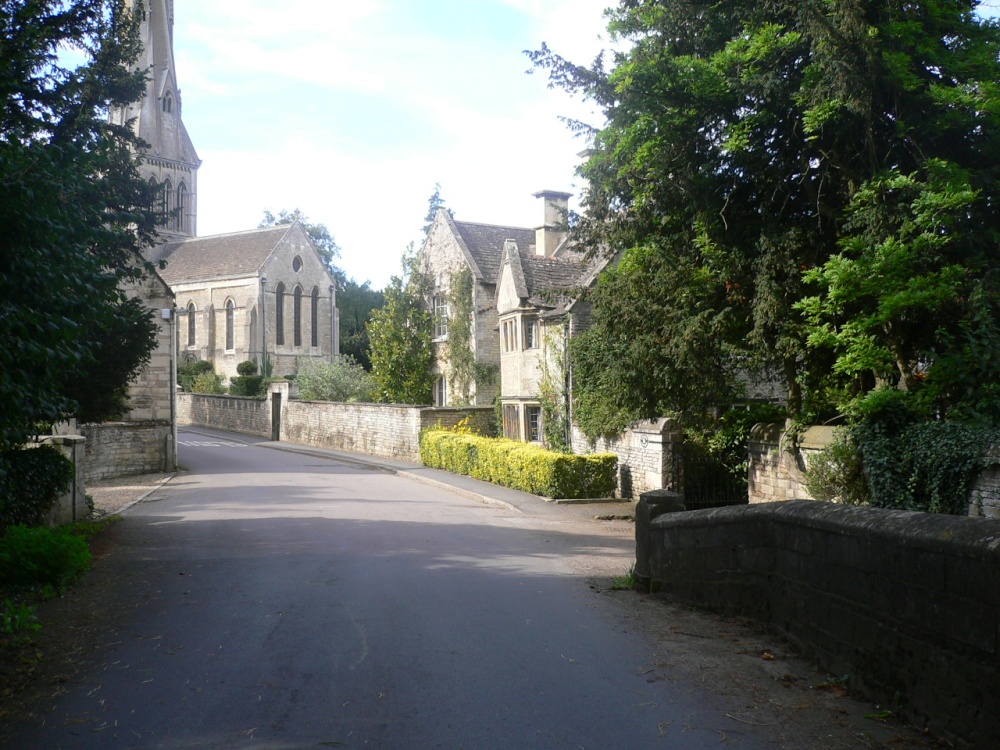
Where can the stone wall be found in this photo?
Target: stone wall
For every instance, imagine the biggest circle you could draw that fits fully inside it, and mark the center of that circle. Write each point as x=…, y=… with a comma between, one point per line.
x=906, y=604
x=250, y=416
x=648, y=456
x=984, y=499
x=777, y=467
x=388, y=430
x=117, y=449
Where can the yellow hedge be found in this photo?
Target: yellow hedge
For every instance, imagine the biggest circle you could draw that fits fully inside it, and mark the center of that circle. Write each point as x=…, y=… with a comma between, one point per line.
x=522, y=466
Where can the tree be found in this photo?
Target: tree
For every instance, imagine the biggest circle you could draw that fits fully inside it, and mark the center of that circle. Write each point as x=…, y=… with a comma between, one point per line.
x=434, y=204
x=75, y=213
x=341, y=379
x=356, y=302
x=759, y=155
x=325, y=244
x=401, y=332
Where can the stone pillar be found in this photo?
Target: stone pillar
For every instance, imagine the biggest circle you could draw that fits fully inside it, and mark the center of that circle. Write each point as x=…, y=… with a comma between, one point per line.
x=651, y=504
x=72, y=505
x=661, y=440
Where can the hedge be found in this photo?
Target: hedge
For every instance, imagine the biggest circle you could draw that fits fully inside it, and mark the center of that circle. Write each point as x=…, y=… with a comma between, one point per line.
x=31, y=480
x=522, y=466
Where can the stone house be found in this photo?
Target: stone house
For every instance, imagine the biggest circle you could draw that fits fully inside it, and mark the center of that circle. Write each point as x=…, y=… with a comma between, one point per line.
x=454, y=249
x=247, y=295
x=522, y=281
x=538, y=312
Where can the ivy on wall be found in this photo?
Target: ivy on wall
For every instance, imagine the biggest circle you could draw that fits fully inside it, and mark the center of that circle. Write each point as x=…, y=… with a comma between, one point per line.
x=552, y=392
x=462, y=366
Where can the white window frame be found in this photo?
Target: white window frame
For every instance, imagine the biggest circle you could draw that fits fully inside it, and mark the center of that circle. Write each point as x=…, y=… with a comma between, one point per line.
x=439, y=304
x=531, y=333
x=441, y=391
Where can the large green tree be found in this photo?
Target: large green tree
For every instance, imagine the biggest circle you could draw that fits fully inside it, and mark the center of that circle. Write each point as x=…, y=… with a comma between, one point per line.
x=758, y=159
x=75, y=213
x=400, y=331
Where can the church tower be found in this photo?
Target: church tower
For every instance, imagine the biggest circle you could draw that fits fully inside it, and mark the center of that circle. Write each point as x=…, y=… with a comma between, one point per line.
x=170, y=159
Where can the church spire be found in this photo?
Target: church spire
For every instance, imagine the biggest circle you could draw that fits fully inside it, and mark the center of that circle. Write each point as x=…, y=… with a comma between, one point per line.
x=170, y=159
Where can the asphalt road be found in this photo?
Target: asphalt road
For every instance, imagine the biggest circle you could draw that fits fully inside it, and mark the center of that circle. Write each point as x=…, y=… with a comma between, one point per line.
x=268, y=599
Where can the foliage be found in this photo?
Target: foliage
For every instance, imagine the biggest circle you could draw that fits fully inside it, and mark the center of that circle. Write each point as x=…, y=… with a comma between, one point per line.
x=913, y=463
x=75, y=213
x=16, y=618
x=208, y=382
x=356, y=302
x=552, y=393
x=326, y=245
x=760, y=154
x=247, y=367
x=188, y=371
x=461, y=355
x=401, y=332
x=31, y=480
x=250, y=386
x=342, y=380
x=41, y=556
x=716, y=457
x=522, y=466
x=836, y=474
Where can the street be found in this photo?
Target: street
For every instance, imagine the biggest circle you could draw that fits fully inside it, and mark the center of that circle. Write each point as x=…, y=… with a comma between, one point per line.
x=273, y=599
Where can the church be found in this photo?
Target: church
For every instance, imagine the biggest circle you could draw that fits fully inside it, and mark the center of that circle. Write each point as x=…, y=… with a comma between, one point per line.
x=260, y=295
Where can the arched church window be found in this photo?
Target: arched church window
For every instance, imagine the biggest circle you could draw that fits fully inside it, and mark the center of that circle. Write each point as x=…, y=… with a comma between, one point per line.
x=298, y=315
x=168, y=102
x=180, y=221
x=230, y=325
x=166, y=203
x=279, y=314
x=191, y=311
x=314, y=317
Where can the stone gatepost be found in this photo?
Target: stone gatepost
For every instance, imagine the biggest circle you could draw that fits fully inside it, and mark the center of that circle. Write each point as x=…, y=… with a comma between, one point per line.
x=651, y=504
x=659, y=443
x=72, y=505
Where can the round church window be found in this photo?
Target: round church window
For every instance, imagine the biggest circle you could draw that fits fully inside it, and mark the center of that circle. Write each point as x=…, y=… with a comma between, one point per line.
x=297, y=264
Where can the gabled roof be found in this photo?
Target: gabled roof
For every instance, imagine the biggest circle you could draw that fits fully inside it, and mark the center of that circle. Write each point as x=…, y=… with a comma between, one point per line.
x=483, y=245
x=549, y=284
x=219, y=256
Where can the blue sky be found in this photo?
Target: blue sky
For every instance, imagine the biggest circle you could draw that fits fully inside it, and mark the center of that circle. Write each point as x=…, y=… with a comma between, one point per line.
x=353, y=111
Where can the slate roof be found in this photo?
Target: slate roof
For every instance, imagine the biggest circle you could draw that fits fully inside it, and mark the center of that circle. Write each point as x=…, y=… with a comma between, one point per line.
x=220, y=255
x=485, y=244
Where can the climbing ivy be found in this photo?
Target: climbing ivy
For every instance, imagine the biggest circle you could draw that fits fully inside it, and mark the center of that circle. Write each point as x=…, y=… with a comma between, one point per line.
x=552, y=392
x=462, y=366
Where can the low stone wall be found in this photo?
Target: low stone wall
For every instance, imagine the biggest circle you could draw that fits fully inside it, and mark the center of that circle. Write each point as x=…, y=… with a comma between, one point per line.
x=117, y=449
x=906, y=604
x=389, y=430
x=648, y=456
x=249, y=416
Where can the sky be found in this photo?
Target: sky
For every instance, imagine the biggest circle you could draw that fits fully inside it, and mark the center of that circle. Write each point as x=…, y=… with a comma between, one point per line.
x=353, y=111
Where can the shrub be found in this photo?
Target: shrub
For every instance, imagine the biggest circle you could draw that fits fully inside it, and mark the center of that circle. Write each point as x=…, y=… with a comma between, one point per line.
x=837, y=475
x=188, y=371
x=207, y=382
x=342, y=380
x=522, y=466
x=247, y=367
x=253, y=386
x=41, y=557
x=30, y=482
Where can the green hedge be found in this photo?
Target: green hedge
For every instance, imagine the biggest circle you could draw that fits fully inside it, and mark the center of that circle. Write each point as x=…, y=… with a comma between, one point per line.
x=522, y=466
x=31, y=480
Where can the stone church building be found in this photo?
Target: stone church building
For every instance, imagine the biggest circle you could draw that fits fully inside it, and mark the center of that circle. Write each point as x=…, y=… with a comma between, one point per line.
x=223, y=299
x=262, y=293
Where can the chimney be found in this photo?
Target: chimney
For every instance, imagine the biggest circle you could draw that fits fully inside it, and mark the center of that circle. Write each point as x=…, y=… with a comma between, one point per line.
x=553, y=228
